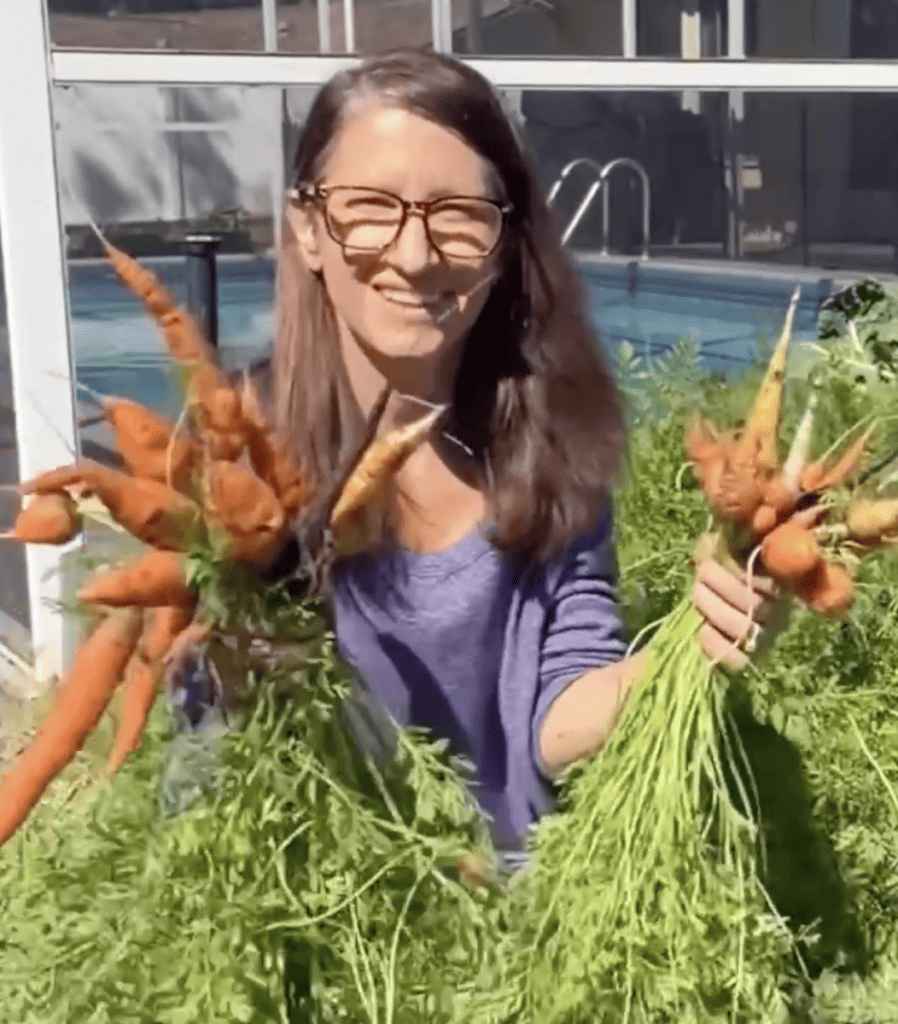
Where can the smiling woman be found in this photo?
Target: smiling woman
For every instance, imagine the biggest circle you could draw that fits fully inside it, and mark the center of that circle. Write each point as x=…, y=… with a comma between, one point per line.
x=419, y=259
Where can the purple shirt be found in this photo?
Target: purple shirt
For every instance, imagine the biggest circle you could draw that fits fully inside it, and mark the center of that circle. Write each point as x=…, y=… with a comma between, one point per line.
x=463, y=643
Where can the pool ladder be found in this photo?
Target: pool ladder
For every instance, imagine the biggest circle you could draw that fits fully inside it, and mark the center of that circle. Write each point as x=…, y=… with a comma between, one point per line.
x=601, y=185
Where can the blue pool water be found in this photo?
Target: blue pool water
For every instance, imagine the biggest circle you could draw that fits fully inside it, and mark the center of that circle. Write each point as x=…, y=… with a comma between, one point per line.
x=730, y=310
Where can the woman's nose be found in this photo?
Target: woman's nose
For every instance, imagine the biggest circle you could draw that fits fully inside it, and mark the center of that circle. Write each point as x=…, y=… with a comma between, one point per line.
x=411, y=249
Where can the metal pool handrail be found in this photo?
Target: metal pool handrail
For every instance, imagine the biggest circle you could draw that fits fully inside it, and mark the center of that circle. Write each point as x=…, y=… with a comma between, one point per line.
x=587, y=201
x=625, y=161
x=599, y=185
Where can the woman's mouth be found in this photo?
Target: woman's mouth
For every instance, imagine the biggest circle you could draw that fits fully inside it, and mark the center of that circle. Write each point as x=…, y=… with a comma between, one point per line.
x=415, y=301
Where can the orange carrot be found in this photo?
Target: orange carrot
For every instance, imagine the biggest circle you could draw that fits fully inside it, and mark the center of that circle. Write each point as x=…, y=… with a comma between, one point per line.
x=146, y=441
x=702, y=443
x=153, y=580
x=380, y=461
x=222, y=410
x=827, y=590
x=870, y=521
x=149, y=510
x=143, y=283
x=47, y=519
x=146, y=444
x=223, y=447
x=84, y=697
x=835, y=476
x=239, y=502
x=764, y=520
x=273, y=463
x=790, y=552
x=142, y=679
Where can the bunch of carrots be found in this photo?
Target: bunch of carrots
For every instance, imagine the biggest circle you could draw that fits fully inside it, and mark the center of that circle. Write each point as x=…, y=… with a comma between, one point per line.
x=222, y=480
x=809, y=522
x=644, y=901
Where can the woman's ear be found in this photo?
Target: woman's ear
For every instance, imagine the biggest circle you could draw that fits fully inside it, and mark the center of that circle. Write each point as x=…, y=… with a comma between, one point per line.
x=301, y=219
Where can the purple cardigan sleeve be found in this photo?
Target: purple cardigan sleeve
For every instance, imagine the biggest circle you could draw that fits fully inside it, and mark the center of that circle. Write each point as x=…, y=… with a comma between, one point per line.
x=583, y=625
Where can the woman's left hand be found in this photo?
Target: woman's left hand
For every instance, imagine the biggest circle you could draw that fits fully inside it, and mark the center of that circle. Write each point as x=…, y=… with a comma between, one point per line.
x=738, y=617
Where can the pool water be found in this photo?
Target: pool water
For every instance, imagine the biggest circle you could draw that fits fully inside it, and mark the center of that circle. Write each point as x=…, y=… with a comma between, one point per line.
x=730, y=312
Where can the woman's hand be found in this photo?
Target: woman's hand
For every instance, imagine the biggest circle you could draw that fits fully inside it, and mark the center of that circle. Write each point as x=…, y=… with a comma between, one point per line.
x=738, y=617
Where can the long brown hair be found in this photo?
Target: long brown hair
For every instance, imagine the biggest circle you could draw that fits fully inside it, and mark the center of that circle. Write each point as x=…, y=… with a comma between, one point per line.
x=534, y=398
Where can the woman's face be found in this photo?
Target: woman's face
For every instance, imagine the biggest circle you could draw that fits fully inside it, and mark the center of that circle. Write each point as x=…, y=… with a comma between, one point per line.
x=408, y=308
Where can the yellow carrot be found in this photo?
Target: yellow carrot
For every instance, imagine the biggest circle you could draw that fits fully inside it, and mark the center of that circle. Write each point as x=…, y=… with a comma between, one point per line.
x=758, y=443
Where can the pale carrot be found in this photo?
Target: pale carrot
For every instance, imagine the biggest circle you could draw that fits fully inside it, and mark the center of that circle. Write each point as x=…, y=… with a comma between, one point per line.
x=155, y=579
x=758, y=442
x=84, y=697
x=47, y=519
x=149, y=510
x=380, y=461
x=870, y=520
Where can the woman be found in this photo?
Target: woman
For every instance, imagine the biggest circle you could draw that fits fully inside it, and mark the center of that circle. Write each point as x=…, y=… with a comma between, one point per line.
x=419, y=252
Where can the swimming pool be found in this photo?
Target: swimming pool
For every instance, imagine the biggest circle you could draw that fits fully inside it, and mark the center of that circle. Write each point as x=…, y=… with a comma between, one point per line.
x=729, y=309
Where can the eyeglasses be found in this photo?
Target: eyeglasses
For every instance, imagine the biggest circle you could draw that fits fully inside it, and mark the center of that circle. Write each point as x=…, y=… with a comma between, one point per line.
x=370, y=220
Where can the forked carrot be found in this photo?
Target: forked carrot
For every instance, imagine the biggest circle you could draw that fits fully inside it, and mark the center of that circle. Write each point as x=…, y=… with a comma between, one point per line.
x=47, y=519
x=150, y=511
x=142, y=677
x=381, y=460
x=84, y=696
x=239, y=502
x=153, y=580
x=223, y=447
x=146, y=441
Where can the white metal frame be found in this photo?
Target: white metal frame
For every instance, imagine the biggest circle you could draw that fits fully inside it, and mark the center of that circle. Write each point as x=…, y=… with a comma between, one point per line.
x=157, y=67
x=37, y=314
x=33, y=249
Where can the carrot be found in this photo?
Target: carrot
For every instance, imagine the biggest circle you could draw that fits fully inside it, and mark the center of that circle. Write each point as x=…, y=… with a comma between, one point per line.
x=151, y=511
x=702, y=443
x=84, y=696
x=239, y=501
x=790, y=552
x=146, y=443
x=223, y=447
x=379, y=462
x=827, y=590
x=843, y=469
x=871, y=521
x=153, y=580
x=142, y=679
x=764, y=519
x=142, y=282
x=273, y=463
x=47, y=519
x=783, y=490
x=758, y=442
x=223, y=411
x=252, y=406
x=812, y=476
